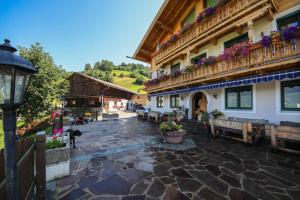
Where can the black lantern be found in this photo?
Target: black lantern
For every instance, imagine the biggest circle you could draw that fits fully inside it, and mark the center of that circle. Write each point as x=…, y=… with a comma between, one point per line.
x=15, y=73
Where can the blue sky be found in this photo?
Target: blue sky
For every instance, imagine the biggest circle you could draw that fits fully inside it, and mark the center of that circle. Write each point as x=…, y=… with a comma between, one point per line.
x=76, y=32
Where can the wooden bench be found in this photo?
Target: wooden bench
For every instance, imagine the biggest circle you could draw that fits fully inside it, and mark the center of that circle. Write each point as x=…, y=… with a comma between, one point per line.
x=286, y=131
x=152, y=115
x=250, y=130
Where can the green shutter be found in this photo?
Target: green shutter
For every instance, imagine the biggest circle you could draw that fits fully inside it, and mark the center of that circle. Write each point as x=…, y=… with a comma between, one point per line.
x=211, y=3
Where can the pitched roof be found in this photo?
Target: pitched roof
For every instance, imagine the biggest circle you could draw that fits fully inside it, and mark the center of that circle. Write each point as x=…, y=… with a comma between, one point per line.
x=102, y=82
x=167, y=16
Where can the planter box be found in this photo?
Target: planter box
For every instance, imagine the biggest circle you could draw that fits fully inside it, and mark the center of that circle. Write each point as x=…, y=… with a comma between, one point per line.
x=58, y=162
x=174, y=137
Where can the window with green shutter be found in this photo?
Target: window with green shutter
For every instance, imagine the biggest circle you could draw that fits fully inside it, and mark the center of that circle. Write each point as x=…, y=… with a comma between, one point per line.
x=239, y=98
x=292, y=19
x=189, y=19
x=290, y=95
x=174, y=101
x=159, y=102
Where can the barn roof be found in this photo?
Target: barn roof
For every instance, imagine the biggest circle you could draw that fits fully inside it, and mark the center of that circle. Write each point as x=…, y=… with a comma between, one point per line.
x=102, y=82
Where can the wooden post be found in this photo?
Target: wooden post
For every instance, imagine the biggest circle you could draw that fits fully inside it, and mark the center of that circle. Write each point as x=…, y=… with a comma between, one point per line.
x=245, y=132
x=273, y=135
x=250, y=31
x=211, y=121
x=40, y=167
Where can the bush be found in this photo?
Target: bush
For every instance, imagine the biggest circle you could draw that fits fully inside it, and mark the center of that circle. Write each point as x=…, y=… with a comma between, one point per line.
x=133, y=75
x=122, y=75
x=114, y=74
x=139, y=81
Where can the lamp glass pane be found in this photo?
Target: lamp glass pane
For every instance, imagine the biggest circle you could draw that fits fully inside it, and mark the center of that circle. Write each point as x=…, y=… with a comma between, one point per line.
x=5, y=84
x=21, y=82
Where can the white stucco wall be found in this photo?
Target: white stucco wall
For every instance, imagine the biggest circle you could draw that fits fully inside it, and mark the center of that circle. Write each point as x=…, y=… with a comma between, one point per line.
x=266, y=104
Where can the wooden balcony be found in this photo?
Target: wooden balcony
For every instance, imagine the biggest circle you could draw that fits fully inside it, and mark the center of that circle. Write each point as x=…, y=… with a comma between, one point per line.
x=232, y=16
x=282, y=55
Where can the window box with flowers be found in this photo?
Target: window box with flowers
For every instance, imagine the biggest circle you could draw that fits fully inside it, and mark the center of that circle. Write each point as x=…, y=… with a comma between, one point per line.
x=57, y=156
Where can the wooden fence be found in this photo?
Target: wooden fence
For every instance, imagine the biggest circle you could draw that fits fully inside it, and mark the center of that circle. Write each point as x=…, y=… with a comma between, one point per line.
x=31, y=168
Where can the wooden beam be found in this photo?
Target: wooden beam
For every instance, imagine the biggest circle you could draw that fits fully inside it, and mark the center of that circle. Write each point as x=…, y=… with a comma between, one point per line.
x=238, y=29
x=165, y=27
x=146, y=52
x=214, y=41
x=270, y=15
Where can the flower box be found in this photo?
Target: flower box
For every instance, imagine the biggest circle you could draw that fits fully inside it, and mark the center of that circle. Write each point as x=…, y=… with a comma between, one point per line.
x=58, y=161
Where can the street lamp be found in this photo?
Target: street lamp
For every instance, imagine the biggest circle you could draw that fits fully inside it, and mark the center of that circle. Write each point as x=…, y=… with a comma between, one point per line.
x=15, y=73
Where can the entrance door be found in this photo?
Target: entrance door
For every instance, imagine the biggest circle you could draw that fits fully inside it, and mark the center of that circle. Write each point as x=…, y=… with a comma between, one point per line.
x=199, y=103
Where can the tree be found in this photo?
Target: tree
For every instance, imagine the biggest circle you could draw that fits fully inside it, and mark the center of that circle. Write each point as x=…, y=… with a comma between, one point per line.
x=104, y=65
x=105, y=76
x=87, y=67
x=46, y=86
x=140, y=80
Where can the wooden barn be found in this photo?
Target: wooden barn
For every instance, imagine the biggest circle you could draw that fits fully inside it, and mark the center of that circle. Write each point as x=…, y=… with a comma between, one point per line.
x=87, y=93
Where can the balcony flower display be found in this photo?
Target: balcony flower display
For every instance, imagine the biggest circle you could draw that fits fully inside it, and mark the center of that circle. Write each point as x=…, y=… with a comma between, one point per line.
x=206, y=61
x=176, y=74
x=290, y=33
x=236, y=51
x=209, y=11
x=266, y=41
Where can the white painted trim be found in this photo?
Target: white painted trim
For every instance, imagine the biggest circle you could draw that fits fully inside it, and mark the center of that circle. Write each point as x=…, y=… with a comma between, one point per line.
x=278, y=100
x=254, y=99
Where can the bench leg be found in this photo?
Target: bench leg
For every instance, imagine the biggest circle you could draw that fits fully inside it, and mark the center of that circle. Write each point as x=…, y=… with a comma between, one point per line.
x=273, y=136
x=245, y=133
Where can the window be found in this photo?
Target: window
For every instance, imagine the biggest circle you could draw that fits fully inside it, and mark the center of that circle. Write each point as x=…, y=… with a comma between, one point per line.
x=92, y=102
x=159, y=102
x=236, y=40
x=290, y=95
x=175, y=68
x=196, y=59
x=73, y=102
x=174, y=101
x=292, y=19
x=189, y=19
x=210, y=3
x=238, y=98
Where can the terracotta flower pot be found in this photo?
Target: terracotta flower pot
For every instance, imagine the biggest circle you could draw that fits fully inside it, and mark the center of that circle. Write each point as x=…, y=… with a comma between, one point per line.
x=174, y=137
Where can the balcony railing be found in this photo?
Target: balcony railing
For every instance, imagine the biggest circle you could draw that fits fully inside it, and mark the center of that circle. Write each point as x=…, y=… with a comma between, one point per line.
x=226, y=17
x=280, y=54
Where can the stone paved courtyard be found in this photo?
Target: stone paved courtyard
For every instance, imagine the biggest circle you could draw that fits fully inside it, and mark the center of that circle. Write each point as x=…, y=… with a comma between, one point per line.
x=112, y=162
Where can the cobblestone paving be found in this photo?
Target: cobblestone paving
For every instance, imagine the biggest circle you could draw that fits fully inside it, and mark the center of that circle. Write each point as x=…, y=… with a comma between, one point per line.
x=112, y=162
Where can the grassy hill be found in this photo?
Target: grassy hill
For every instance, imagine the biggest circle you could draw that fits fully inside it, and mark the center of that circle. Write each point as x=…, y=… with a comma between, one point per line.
x=127, y=82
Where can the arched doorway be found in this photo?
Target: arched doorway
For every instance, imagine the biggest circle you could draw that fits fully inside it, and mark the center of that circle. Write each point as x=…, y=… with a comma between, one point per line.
x=199, y=102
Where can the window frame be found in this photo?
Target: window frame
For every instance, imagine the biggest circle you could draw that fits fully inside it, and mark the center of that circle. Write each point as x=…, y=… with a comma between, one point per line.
x=280, y=21
x=197, y=57
x=173, y=66
x=157, y=102
x=236, y=40
x=174, y=96
x=282, y=85
x=238, y=90
x=188, y=16
x=205, y=3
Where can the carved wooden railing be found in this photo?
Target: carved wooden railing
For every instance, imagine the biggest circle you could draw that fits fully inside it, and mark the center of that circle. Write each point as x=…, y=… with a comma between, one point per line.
x=225, y=16
x=259, y=58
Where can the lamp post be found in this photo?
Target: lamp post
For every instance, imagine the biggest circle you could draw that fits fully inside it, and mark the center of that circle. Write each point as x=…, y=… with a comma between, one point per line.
x=15, y=73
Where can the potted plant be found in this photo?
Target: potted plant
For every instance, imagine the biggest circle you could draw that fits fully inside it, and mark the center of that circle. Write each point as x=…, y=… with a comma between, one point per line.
x=216, y=113
x=172, y=132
